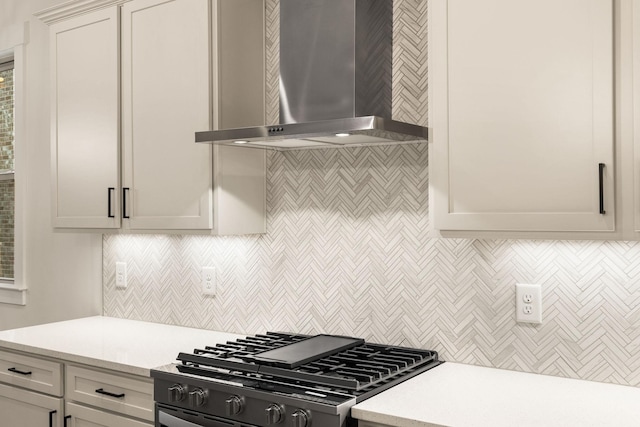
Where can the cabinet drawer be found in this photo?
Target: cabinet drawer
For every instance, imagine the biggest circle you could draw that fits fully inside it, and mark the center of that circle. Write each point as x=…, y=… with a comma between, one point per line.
x=80, y=416
x=124, y=394
x=31, y=373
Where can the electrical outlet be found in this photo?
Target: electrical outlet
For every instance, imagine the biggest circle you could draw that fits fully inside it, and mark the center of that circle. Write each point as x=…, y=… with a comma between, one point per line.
x=208, y=280
x=121, y=275
x=528, y=303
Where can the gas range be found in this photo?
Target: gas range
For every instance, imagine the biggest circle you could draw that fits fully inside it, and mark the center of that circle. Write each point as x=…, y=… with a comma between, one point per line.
x=280, y=379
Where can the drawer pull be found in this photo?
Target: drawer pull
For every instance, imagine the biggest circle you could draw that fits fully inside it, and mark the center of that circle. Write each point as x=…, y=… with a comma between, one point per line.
x=51, y=414
x=66, y=418
x=106, y=393
x=16, y=371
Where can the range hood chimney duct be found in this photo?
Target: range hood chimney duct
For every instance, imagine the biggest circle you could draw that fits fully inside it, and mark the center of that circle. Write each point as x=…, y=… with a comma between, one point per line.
x=335, y=80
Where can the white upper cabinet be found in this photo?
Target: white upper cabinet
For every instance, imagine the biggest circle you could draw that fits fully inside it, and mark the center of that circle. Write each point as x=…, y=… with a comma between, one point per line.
x=84, y=120
x=167, y=177
x=173, y=84
x=632, y=93
x=522, y=115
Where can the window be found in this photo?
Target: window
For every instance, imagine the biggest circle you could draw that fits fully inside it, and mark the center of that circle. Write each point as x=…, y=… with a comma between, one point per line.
x=7, y=181
x=13, y=289
x=12, y=286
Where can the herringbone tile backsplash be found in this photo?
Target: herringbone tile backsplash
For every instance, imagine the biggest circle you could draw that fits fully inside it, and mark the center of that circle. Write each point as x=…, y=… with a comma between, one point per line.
x=349, y=252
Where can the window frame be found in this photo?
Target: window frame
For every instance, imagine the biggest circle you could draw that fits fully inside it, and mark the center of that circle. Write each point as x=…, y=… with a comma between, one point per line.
x=6, y=65
x=15, y=291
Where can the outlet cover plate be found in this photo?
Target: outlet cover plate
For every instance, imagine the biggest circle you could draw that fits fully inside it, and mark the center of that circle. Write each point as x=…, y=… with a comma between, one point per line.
x=528, y=303
x=208, y=281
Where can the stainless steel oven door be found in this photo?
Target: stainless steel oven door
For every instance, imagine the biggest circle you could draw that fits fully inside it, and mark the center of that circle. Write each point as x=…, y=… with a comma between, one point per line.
x=168, y=416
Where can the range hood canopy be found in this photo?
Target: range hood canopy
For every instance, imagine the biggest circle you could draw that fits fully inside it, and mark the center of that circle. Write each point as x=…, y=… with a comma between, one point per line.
x=335, y=80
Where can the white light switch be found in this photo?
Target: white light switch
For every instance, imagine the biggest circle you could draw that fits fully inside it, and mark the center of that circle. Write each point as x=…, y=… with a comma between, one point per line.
x=121, y=274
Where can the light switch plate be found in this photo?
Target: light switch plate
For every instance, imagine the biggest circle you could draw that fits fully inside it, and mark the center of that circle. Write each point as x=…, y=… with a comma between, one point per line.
x=528, y=303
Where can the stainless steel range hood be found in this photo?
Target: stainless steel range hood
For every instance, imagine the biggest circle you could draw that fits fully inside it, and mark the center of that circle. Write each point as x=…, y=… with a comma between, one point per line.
x=335, y=80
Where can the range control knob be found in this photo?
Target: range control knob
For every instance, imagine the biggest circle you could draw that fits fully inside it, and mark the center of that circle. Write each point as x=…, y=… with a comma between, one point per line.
x=234, y=405
x=197, y=397
x=301, y=418
x=275, y=414
x=177, y=393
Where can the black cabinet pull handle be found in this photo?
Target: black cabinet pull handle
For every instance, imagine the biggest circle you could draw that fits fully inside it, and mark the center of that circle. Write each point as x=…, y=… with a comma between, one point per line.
x=109, y=212
x=65, y=420
x=51, y=414
x=601, y=180
x=125, y=191
x=106, y=393
x=16, y=371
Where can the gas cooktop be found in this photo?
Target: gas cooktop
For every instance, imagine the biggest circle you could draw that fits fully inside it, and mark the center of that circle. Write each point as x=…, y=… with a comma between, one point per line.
x=274, y=378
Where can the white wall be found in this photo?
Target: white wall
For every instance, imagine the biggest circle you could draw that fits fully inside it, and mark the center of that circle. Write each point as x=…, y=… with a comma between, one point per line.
x=63, y=271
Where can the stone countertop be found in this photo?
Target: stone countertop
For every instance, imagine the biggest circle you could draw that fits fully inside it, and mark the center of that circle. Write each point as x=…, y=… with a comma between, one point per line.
x=127, y=346
x=457, y=395
x=451, y=395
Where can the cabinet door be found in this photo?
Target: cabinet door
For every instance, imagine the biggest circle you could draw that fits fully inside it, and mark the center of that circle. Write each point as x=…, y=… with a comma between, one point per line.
x=522, y=115
x=635, y=94
x=166, y=99
x=25, y=408
x=82, y=416
x=85, y=125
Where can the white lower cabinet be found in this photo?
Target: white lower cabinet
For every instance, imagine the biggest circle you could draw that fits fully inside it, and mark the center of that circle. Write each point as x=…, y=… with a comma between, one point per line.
x=126, y=395
x=32, y=373
x=82, y=416
x=32, y=394
x=20, y=407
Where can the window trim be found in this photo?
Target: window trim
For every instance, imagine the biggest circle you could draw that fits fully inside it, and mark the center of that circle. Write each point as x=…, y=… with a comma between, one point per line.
x=15, y=291
x=7, y=65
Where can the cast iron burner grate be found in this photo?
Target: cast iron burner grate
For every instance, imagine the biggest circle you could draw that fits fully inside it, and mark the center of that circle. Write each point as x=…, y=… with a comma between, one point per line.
x=358, y=370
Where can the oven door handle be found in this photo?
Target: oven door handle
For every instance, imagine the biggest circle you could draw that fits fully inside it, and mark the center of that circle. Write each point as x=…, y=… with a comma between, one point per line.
x=167, y=420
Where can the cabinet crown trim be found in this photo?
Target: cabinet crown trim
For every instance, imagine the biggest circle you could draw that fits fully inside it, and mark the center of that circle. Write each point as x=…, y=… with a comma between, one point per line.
x=73, y=8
